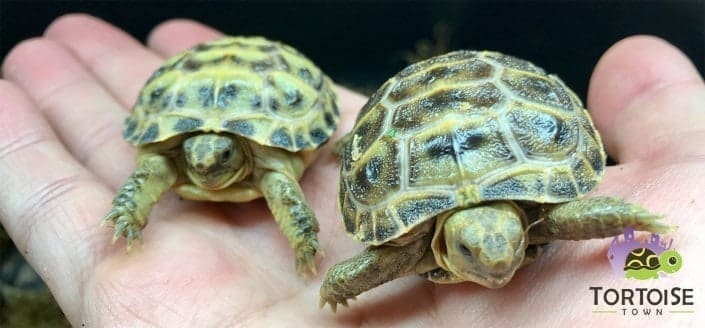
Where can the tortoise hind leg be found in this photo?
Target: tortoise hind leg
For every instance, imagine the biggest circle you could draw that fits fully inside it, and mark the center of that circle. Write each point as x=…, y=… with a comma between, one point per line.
x=375, y=266
x=154, y=175
x=295, y=218
x=589, y=218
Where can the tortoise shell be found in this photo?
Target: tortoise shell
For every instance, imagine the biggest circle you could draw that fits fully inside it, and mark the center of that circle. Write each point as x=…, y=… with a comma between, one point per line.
x=249, y=86
x=460, y=129
x=641, y=258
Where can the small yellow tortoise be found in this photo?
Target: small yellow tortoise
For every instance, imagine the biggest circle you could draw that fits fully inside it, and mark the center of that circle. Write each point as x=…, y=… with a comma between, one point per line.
x=230, y=120
x=462, y=167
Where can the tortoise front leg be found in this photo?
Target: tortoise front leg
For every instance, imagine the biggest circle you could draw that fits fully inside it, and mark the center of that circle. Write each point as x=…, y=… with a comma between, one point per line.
x=589, y=218
x=295, y=218
x=154, y=175
x=375, y=266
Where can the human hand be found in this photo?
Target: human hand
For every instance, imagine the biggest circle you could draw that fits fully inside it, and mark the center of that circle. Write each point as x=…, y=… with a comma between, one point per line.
x=62, y=104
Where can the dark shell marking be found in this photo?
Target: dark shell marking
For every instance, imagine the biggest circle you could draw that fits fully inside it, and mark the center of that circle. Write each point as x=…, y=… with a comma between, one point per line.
x=460, y=129
x=642, y=258
x=249, y=86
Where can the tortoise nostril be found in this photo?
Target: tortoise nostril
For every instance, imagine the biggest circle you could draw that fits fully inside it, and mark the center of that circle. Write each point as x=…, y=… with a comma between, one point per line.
x=200, y=166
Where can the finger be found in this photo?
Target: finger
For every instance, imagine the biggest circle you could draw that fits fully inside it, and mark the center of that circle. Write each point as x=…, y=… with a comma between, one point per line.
x=350, y=104
x=48, y=199
x=646, y=98
x=119, y=61
x=86, y=117
x=176, y=35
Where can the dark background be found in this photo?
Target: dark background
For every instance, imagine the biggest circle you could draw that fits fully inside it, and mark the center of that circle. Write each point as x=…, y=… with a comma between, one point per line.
x=361, y=43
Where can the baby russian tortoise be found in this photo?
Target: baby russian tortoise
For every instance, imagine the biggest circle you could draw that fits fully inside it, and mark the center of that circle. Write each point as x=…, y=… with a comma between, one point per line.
x=230, y=120
x=462, y=167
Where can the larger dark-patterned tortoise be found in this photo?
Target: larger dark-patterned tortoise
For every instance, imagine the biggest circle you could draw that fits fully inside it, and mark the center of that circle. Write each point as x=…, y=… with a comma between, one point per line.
x=230, y=120
x=461, y=167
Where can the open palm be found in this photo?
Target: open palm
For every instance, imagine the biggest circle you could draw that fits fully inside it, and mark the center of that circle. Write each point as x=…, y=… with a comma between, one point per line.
x=62, y=103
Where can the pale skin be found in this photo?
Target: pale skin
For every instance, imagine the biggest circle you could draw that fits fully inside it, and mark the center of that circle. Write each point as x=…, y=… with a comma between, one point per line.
x=62, y=103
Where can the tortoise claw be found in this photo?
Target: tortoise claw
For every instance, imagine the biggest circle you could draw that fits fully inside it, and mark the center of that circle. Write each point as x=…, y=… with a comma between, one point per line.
x=333, y=301
x=109, y=217
x=305, y=257
x=125, y=224
x=333, y=305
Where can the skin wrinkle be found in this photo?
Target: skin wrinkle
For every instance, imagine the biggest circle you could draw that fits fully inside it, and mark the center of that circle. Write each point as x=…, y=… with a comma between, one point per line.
x=643, y=101
x=229, y=318
x=261, y=272
x=52, y=95
x=140, y=297
x=51, y=106
x=658, y=89
x=104, y=134
x=28, y=49
x=25, y=141
x=270, y=306
x=228, y=321
x=30, y=139
x=125, y=308
x=120, y=45
x=97, y=64
x=44, y=143
x=654, y=154
x=46, y=200
x=94, y=241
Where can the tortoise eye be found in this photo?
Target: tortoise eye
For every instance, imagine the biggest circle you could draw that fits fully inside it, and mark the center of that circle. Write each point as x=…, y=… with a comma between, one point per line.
x=226, y=155
x=465, y=251
x=672, y=260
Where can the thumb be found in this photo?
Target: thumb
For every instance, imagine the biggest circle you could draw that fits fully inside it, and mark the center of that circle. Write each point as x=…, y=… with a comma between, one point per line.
x=648, y=101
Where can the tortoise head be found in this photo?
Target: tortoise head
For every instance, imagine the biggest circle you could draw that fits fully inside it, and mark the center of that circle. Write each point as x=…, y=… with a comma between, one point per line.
x=484, y=244
x=670, y=261
x=216, y=161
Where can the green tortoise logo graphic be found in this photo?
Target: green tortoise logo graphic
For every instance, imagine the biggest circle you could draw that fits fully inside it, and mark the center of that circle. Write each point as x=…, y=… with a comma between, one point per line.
x=643, y=260
x=643, y=263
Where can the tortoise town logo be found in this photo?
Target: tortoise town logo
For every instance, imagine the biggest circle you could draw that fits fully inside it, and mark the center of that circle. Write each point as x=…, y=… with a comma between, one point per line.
x=643, y=260
x=638, y=262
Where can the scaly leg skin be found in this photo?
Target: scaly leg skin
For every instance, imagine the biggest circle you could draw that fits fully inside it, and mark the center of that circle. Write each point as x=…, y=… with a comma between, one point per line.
x=589, y=218
x=295, y=218
x=154, y=175
x=369, y=269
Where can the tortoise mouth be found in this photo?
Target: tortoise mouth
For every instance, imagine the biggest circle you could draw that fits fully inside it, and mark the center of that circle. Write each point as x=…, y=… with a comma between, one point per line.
x=494, y=280
x=213, y=180
x=485, y=279
x=500, y=280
